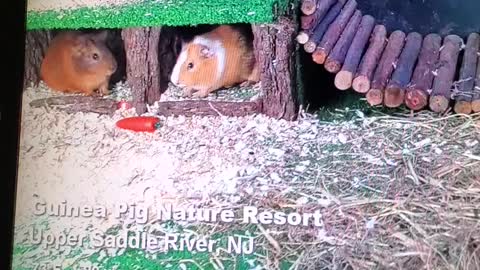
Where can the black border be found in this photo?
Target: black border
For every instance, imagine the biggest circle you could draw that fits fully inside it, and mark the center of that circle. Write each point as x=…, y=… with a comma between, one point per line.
x=12, y=54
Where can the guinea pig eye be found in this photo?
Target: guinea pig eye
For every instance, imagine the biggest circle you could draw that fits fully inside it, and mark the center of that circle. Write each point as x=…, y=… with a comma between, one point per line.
x=95, y=56
x=190, y=65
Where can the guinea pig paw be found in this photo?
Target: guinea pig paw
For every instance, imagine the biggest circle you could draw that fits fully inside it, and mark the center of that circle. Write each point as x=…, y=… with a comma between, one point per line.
x=246, y=84
x=104, y=92
x=201, y=94
x=103, y=89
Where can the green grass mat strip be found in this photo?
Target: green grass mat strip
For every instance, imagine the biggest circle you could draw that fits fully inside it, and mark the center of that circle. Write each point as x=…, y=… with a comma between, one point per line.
x=151, y=13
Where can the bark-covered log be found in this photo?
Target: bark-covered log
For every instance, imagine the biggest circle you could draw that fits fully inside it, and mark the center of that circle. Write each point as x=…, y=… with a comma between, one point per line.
x=476, y=91
x=416, y=97
x=370, y=59
x=385, y=67
x=333, y=33
x=322, y=27
x=334, y=61
x=463, y=98
x=308, y=7
x=273, y=46
x=310, y=21
x=442, y=84
x=36, y=45
x=208, y=108
x=73, y=104
x=90, y=104
x=395, y=91
x=143, y=75
x=344, y=78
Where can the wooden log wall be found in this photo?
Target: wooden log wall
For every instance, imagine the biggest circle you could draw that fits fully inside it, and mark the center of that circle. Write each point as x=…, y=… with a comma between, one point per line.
x=391, y=68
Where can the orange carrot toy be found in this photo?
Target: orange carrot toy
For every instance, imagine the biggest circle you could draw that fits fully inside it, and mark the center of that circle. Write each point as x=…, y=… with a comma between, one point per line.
x=139, y=123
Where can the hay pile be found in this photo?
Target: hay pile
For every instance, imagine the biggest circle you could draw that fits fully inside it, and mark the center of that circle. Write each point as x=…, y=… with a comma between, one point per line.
x=395, y=193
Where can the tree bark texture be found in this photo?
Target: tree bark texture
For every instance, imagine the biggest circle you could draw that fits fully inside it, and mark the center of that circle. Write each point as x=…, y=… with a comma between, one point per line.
x=88, y=104
x=36, y=45
x=143, y=69
x=208, y=108
x=74, y=104
x=274, y=47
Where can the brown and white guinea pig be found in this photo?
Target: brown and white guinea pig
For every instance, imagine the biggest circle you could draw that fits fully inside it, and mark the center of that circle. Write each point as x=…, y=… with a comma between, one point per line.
x=217, y=59
x=78, y=62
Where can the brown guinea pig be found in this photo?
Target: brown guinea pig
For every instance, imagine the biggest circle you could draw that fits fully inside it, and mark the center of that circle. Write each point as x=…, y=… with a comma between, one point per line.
x=77, y=62
x=218, y=59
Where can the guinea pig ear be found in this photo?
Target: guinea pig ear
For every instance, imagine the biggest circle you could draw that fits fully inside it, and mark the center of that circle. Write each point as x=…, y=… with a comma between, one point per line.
x=81, y=41
x=206, y=52
x=101, y=36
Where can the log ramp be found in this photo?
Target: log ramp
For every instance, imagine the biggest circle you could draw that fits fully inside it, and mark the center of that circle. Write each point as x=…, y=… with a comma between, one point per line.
x=391, y=70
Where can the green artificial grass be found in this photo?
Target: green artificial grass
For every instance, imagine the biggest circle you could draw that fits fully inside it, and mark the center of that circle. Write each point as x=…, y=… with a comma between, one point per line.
x=162, y=12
